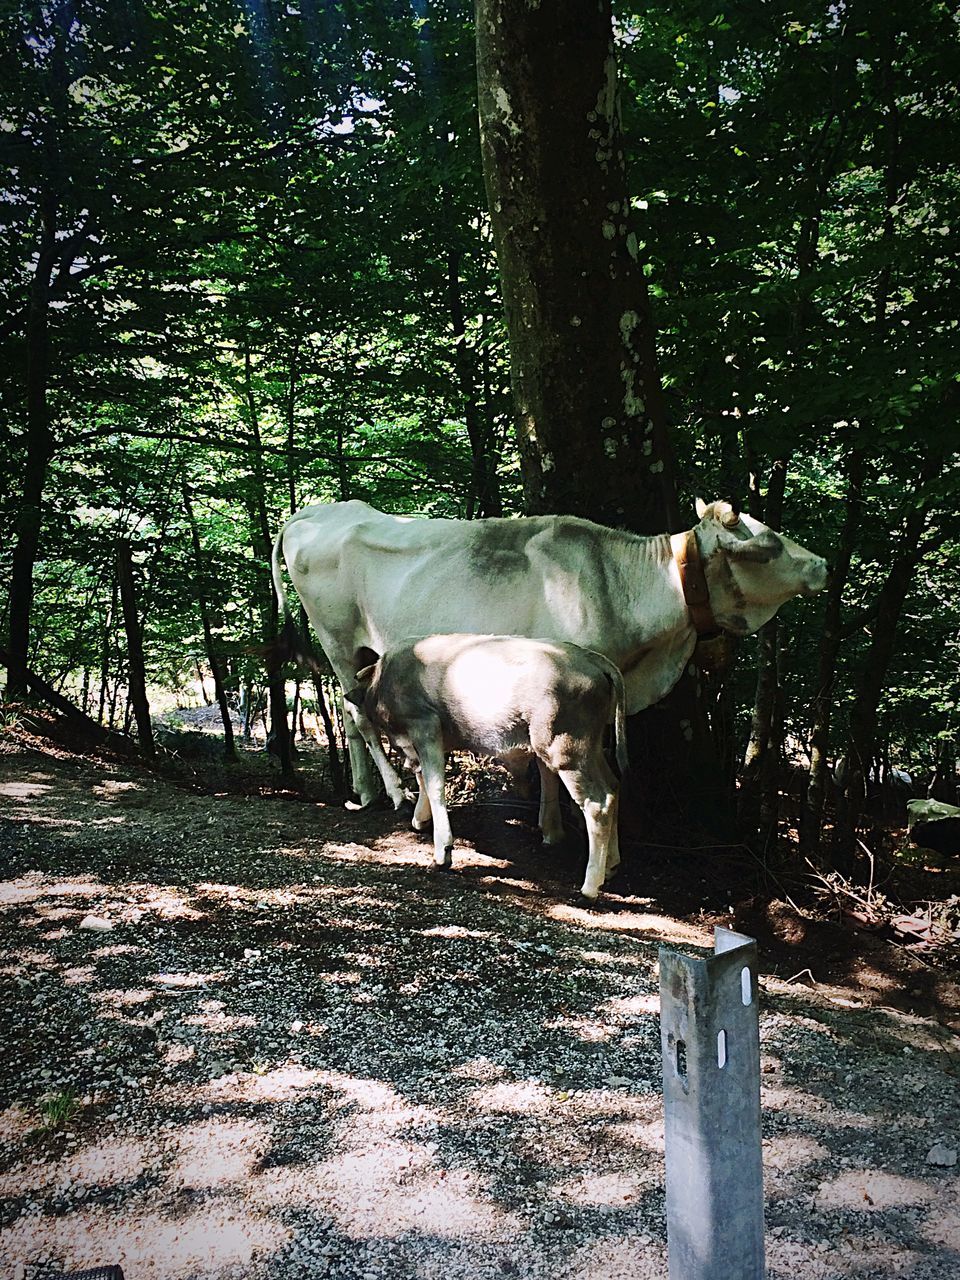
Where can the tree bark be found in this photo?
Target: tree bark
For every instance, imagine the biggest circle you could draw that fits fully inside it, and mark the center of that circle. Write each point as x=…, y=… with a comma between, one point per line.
x=136, y=673
x=588, y=403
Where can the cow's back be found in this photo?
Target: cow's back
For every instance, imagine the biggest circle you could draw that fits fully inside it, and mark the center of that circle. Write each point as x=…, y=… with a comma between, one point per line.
x=367, y=578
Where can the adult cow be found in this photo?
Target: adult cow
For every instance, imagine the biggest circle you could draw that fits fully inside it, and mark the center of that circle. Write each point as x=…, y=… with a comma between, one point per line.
x=369, y=581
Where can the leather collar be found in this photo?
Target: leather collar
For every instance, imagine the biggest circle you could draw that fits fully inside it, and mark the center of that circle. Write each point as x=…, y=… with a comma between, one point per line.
x=686, y=552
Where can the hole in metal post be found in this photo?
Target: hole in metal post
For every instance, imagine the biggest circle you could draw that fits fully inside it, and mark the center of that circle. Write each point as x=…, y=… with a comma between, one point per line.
x=721, y=1049
x=746, y=985
x=682, y=1059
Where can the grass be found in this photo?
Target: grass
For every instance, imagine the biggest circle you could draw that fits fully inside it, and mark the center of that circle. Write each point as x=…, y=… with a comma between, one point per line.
x=57, y=1110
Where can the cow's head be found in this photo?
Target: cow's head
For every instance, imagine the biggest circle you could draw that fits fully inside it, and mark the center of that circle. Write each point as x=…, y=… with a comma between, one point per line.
x=365, y=677
x=751, y=570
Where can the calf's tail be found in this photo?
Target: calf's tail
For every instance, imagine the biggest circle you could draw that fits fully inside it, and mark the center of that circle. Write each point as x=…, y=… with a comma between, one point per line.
x=613, y=674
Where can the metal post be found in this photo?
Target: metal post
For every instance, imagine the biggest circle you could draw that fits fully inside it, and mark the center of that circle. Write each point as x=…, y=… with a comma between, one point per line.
x=710, y=1036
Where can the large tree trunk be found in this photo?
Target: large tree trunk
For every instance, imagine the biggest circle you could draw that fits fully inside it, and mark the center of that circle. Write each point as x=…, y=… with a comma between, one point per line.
x=136, y=673
x=588, y=403
x=587, y=398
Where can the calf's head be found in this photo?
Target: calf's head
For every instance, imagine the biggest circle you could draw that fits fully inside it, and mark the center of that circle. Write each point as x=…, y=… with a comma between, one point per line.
x=751, y=570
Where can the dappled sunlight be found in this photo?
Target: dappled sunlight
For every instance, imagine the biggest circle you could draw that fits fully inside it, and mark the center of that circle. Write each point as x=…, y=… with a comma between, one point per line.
x=120, y=999
x=789, y=1152
x=205, y=1240
x=344, y=1048
x=25, y=789
x=217, y=1152
x=872, y=1190
x=613, y=1189
x=522, y=1097
x=661, y=928
x=109, y=1162
x=30, y=888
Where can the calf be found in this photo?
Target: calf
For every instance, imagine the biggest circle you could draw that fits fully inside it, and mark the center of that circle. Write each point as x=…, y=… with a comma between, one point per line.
x=504, y=695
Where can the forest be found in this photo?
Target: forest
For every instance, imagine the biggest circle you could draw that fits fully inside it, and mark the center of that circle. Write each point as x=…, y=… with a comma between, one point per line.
x=250, y=263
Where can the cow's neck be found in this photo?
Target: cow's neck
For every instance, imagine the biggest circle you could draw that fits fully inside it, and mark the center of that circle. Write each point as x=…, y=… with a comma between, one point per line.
x=658, y=646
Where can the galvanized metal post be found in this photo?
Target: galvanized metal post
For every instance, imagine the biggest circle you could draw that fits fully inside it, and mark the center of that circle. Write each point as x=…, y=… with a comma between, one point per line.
x=710, y=1036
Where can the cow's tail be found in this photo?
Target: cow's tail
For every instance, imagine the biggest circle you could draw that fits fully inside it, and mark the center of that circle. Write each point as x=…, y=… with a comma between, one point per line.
x=290, y=645
x=620, y=721
x=276, y=568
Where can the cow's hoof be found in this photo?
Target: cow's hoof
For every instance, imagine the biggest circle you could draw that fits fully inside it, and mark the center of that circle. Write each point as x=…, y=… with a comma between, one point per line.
x=421, y=824
x=446, y=864
x=355, y=803
x=583, y=900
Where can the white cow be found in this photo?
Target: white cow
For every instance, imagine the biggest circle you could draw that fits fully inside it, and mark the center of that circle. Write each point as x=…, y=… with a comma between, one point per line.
x=369, y=581
x=496, y=695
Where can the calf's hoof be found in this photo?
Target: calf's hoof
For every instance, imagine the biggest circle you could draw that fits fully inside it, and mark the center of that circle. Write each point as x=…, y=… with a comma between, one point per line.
x=585, y=899
x=421, y=824
x=445, y=863
x=404, y=808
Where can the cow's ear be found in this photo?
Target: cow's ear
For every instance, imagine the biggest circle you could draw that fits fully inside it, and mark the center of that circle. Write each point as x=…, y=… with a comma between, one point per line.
x=760, y=549
x=355, y=695
x=701, y=508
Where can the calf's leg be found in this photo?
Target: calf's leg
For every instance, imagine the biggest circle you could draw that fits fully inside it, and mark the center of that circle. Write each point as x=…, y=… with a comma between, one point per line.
x=429, y=749
x=361, y=734
x=549, y=819
x=422, y=812
x=594, y=788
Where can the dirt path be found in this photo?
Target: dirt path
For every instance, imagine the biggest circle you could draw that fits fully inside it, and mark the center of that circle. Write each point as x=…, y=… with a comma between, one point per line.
x=294, y=1053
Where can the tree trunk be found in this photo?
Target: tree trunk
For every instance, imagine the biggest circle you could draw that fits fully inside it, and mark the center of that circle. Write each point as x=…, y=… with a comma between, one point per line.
x=588, y=403
x=279, y=736
x=26, y=537
x=136, y=674
x=216, y=668
x=759, y=784
x=831, y=639
x=105, y=649
x=484, y=499
x=873, y=672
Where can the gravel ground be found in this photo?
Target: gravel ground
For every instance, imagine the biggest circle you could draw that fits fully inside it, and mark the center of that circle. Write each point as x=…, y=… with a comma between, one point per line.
x=280, y=1048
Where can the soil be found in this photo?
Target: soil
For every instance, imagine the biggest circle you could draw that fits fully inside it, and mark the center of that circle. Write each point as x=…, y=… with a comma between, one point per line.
x=248, y=1036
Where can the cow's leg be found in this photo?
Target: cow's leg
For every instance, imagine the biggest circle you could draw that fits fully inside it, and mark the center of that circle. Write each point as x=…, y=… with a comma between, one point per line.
x=422, y=813
x=429, y=749
x=613, y=849
x=361, y=739
x=549, y=819
x=594, y=788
